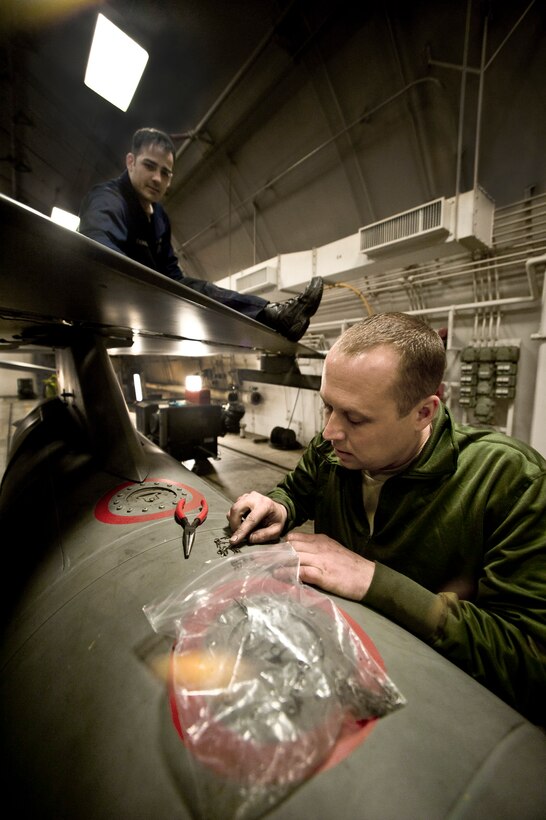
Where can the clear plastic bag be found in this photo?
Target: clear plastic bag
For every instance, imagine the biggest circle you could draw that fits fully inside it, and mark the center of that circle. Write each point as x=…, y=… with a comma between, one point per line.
x=265, y=674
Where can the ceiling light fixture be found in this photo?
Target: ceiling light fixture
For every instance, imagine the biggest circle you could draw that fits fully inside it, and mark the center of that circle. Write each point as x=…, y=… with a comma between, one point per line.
x=116, y=64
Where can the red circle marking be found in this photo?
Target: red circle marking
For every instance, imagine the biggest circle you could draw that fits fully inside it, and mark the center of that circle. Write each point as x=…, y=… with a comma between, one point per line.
x=349, y=739
x=104, y=514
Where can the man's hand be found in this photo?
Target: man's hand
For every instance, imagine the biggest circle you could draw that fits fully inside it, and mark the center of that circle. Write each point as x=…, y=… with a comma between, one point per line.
x=251, y=510
x=326, y=564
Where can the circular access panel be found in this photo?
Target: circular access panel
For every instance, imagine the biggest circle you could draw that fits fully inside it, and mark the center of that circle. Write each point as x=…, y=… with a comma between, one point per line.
x=154, y=498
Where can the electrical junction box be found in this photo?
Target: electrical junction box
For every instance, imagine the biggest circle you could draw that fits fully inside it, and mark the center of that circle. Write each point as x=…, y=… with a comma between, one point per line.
x=487, y=373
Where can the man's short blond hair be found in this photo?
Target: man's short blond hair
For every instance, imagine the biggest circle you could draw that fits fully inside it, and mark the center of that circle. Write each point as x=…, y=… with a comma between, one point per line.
x=421, y=352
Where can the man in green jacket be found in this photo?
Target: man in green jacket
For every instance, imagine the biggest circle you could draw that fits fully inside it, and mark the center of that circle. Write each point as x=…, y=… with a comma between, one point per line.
x=441, y=527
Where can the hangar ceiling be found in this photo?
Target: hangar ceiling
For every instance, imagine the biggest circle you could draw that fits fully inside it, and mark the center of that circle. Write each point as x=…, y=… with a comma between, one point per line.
x=296, y=122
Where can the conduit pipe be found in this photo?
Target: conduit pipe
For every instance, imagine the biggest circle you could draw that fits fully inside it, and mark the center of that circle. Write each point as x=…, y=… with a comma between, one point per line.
x=270, y=182
x=445, y=309
x=245, y=68
x=480, y=105
x=461, y=117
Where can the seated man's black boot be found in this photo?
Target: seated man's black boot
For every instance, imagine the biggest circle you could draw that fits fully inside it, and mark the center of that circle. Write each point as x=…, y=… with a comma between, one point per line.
x=291, y=318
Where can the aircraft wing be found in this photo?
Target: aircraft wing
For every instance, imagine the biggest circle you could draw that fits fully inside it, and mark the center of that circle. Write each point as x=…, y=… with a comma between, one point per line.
x=54, y=279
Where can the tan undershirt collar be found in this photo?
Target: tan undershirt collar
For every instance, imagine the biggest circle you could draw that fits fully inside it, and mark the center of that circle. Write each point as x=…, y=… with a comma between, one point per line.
x=372, y=484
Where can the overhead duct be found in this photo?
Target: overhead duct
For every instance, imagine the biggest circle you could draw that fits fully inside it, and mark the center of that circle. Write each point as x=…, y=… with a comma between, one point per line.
x=256, y=280
x=466, y=219
x=414, y=226
x=444, y=227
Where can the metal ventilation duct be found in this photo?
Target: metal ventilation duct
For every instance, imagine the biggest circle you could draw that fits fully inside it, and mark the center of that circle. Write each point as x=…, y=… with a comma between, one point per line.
x=467, y=219
x=254, y=281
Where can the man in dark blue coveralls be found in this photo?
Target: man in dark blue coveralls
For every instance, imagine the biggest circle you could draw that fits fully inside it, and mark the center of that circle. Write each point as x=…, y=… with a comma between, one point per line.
x=125, y=214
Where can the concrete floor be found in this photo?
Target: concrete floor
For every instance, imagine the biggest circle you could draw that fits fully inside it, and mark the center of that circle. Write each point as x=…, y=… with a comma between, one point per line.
x=248, y=464
x=244, y=464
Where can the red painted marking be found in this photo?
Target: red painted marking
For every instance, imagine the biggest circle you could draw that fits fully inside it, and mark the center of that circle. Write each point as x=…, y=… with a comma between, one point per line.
x=104, y=514
x=349, y=739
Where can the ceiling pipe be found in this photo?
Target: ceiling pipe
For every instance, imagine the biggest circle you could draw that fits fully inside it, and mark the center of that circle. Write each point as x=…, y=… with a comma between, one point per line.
x=514, y=27
x=461, y=119
x=364, y=116
x=425, y=166
x=530, y=266
x=245, y=68
x=441, y=310
x=483, y=68
x=476, y=305
x=465, y=69
x=538, y=428
x=480, y=104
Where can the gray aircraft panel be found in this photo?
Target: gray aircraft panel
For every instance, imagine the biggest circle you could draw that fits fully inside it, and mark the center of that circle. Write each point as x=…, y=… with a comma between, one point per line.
x=53, y=277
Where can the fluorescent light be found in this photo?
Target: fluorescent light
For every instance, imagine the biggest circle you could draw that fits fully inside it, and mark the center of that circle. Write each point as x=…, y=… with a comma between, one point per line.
x=65, y=218
x=138, y=386
x=115, y=64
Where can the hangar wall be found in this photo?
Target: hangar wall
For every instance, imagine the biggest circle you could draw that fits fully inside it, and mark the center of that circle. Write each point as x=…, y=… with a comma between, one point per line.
x=486, y=296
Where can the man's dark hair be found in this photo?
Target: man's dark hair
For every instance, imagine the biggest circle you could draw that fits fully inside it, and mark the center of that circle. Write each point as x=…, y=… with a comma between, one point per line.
x=421, y=351
x=151, y=136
